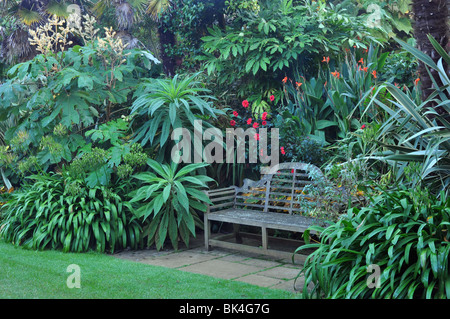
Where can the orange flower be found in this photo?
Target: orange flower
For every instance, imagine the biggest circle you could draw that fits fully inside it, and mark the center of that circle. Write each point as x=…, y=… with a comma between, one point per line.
x=365, y=68
x=326, y=59
x=299, y=84
x=361, y=61
x=416, y=81
x=336, y=74
x=285, y=79
x=374, y=73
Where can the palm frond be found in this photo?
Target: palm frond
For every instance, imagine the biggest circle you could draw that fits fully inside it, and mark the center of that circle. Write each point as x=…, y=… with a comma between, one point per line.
x=29, y=17
x=57, y=8
x=157, y=7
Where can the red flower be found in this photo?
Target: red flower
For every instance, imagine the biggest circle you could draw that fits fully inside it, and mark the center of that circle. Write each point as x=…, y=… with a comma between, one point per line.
x=264, y=123
x=363, y=126
x=365, y=68
x=285, y=79
x=326, y=59
x=299, y=84
x=374, y=73
x=292, y=171
x=235, y=113
x=255, y=125
x=416, y=81
x=361, y=61
x=249, y=121
x=232, y=122
x=264, y=116
x=336, y=74
x=256, y=136
x=272, y=98
x=245, y=103
x=282, y=150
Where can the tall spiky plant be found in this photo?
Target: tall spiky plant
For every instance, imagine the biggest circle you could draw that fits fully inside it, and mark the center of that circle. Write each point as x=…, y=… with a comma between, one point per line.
x=419, y=133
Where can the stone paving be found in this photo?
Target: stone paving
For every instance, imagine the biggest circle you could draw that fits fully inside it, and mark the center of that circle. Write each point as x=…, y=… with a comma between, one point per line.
x=225, y=264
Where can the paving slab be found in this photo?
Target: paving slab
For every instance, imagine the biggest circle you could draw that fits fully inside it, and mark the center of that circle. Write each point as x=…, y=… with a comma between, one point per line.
x=178, y=259
x=281, y=272
x=289, y=285
x=260, y=262
x=221, y=269
x=223, y=263
x=258, y=280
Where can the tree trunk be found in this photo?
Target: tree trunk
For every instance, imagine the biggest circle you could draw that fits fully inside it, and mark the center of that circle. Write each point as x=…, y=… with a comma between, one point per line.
x=430, y=17
x=166, y=40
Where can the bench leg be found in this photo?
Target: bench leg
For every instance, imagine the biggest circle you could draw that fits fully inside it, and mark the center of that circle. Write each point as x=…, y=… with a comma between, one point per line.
x=237, y=234
x=265, y=241
x=207, y=231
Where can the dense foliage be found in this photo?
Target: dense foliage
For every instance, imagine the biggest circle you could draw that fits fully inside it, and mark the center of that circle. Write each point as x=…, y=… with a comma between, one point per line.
x=60, y=213
x=91, y=105
x=170, y=200
x=404, y=233
x=257, y=49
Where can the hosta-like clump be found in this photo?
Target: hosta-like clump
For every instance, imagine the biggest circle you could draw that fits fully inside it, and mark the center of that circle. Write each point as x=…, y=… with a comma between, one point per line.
x=405, y=234
x=56, y=213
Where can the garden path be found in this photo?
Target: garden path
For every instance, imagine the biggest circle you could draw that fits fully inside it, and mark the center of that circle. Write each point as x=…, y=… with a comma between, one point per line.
x=223, y=264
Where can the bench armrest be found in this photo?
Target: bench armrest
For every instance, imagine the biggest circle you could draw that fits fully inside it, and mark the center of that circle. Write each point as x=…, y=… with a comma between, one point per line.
x=220, y=198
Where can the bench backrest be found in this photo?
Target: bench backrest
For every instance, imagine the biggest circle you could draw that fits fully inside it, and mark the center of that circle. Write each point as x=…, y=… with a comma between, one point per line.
x=279, y=191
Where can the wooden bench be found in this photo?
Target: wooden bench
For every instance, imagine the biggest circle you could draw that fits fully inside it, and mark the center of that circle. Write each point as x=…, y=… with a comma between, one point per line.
x=274, y=202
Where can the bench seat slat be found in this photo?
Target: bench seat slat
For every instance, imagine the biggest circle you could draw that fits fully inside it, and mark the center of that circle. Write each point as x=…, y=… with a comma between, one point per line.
x=263, y=219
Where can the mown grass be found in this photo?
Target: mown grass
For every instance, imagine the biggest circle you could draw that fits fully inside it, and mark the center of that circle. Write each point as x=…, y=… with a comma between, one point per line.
x=43, y=274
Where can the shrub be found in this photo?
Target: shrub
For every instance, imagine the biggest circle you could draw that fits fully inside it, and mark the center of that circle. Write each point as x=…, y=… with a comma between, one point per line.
x=55, y=97
x=167, y=104
x=61, y=213
x=170, y=199
x=405, y=233
x=259, y=47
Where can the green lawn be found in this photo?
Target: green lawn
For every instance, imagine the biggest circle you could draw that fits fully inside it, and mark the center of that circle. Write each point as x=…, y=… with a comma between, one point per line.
x=43, y=274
